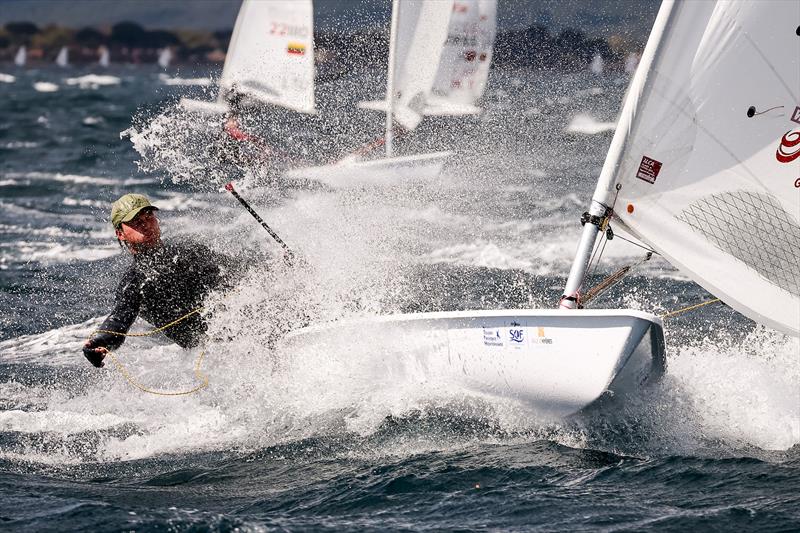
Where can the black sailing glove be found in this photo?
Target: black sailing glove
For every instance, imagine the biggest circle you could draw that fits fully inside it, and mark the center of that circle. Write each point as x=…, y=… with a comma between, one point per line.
x=95, y=351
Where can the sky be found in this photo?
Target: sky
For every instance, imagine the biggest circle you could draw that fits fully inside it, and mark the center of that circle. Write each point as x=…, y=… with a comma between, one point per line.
x=593, y=17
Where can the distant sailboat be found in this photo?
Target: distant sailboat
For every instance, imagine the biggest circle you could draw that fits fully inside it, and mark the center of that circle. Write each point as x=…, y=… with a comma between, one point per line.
x=164, y=57
x=21, y=57
x=631, y=62
x=597, y=65
x=418, y=34
x=62, y=60
x=274, y=67
x=105, y=57
x=467, y=55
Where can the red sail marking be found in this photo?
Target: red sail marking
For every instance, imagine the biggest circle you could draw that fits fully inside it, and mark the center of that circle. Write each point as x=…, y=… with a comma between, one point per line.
x=789, y=149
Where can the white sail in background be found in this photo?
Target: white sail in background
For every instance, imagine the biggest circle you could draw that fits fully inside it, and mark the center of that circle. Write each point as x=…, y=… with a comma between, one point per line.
x=271, y=54
x=105, y=57
x=164, y=57
x=62, y=60
x=21, y=57
x=597, y=65
x=631, y=62
x=417, y=43
x=707, y=152
x=466, y=58
x=418, y=36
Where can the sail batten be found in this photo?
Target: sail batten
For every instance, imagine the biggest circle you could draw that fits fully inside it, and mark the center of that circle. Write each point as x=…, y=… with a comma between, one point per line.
x=707, y=152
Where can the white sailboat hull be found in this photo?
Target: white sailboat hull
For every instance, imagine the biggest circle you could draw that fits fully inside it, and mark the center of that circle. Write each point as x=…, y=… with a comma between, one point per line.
x=203, y=107
x=434, y=106
x=387, y=171
x=559, y=362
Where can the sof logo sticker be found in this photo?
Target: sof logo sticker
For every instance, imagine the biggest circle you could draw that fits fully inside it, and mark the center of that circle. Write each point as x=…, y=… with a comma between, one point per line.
x=517, y=336
x=491, y=337
x=648, y=169
x=541, y=337
x=789, y=149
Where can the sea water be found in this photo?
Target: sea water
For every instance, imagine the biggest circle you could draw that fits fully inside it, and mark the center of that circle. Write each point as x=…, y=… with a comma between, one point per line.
x=330, y=445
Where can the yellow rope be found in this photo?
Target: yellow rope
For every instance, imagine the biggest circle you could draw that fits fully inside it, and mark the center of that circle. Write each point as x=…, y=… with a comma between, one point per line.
x=689, y=308
x=133, y=381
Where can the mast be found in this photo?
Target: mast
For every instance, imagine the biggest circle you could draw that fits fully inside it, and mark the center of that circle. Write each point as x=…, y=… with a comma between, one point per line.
x=602, y=200
x=390, y=75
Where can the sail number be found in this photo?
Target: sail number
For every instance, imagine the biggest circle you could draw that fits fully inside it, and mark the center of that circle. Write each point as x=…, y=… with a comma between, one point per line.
x=280, y=28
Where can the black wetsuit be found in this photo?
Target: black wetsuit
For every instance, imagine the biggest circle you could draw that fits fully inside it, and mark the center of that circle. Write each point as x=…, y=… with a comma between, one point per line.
x=162, y=285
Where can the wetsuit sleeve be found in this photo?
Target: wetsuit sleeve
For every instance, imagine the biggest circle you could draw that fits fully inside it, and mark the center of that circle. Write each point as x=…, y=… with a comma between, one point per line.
x=126, y=309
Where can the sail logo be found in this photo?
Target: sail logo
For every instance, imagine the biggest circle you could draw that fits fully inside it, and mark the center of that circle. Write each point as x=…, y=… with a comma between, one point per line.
x=491, y=337
x=789, y=148
x=648, y=169
x=298, y=49
x=796, y=115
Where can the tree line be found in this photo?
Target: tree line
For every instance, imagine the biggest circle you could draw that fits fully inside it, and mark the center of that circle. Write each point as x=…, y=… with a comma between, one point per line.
x=129, y=42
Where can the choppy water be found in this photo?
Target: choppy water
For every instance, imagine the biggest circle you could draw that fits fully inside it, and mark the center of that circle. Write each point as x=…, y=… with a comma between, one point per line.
x=714, y=446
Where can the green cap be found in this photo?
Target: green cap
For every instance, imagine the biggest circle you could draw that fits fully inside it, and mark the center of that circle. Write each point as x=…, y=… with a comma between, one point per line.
x=127, y=207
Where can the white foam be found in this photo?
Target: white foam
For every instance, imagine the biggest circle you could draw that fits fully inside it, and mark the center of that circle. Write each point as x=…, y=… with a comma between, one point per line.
x=744, y=394
x=588, y=125
x=93, y=81
x=45, y=87
x=79, y=178
x=15, y=145
x=7, y=78
x=91, y=121
x=202, y=82
x=49, y=253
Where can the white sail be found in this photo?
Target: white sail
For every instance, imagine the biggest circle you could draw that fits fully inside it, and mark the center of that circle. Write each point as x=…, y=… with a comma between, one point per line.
x=464, y=66
x=418, y=43
x=271, y=54
x=707, y=152
x=164, y=57
x=21, y=57
x=597, y=65
x=62, y=60
x=105, y=57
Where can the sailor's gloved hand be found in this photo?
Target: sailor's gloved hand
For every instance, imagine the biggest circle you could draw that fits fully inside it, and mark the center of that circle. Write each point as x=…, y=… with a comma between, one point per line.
x=94, y=352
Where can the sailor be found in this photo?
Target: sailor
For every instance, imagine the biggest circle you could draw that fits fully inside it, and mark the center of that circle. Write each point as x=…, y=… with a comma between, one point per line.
x=164, y=282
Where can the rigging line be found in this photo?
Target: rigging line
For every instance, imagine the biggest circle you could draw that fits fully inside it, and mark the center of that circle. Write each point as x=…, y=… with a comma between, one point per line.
x=612, y=280
x=602, y=251
x=689, y=308
x=618, y=236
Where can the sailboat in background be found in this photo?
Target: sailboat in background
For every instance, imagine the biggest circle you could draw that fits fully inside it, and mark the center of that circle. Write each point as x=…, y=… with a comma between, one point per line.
x=270, y=58
x=631, y=62
x=417, y=38
x=703, y=168
x=597, y=65
x=62, y=60
x=21, y=56
x=105, y=57
x=165, y=57
x=467, y=55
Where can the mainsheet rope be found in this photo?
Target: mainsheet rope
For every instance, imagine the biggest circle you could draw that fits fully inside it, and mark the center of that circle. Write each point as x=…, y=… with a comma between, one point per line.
x=203, y=378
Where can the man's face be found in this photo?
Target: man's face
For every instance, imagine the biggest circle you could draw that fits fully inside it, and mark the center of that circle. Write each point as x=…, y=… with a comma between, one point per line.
x=142, y=230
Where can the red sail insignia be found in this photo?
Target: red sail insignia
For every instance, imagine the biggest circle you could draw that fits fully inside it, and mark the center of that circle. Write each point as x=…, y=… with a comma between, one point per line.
x=789, y=149
x=648, y=169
